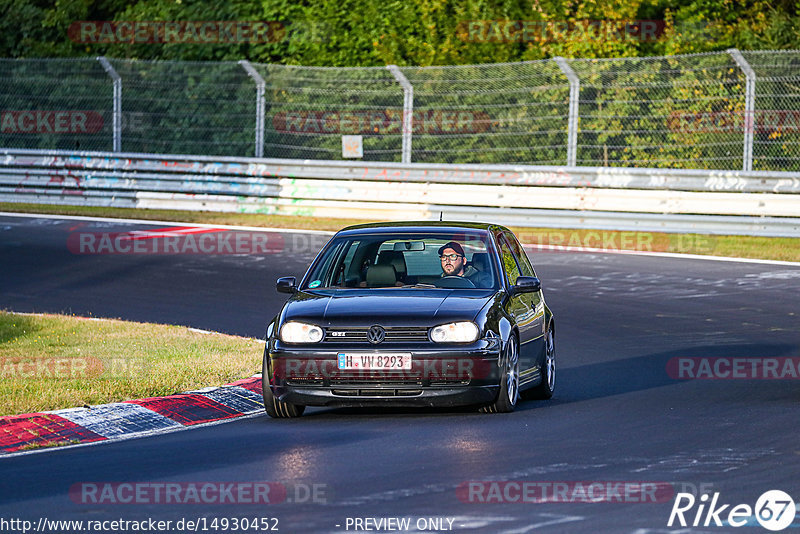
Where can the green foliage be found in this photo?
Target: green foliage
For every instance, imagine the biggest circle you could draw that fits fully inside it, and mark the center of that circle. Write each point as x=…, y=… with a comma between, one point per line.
x=482, y=58
x=425, y=32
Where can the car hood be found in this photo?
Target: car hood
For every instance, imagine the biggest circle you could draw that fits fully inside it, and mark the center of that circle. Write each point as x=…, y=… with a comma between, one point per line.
x=387, y=307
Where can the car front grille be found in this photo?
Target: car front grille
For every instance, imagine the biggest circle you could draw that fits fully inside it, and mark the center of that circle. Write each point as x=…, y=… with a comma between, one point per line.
x=394, y=334
x=375, y=379
x=361, y=392
x=360, y=381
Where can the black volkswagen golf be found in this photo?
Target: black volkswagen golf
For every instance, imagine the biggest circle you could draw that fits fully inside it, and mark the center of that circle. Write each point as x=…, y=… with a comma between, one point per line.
x=412, y=314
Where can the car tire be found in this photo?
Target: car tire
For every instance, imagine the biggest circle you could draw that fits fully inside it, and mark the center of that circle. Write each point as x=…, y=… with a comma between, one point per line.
x=546, y=388
x=508, y=396
x=276, y=408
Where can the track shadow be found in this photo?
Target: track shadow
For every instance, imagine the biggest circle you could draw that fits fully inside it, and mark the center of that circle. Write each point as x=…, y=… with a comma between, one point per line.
x=598, y=380
x=593, y=381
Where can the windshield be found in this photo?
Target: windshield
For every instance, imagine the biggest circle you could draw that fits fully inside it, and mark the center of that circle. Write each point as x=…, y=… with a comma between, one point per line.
x=410, y=260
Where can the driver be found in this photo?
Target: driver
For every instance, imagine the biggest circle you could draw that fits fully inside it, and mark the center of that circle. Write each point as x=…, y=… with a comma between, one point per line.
x=454, y=262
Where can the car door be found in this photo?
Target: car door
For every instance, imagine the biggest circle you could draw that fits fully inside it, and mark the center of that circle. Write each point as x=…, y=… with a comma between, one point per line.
x=522, y=307
x=526, y=269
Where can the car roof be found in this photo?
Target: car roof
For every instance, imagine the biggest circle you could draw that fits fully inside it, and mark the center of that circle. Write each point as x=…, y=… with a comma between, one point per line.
x=417, y=226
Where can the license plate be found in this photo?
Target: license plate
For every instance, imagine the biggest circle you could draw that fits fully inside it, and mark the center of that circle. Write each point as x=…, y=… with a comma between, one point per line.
x=383, y=361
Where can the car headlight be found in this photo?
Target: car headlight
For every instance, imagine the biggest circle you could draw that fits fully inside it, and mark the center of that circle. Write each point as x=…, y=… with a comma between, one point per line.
x=461, y=332
x=294, y=332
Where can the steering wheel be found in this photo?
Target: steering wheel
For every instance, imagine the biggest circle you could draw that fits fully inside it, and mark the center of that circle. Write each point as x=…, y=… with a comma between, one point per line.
x=453, y=281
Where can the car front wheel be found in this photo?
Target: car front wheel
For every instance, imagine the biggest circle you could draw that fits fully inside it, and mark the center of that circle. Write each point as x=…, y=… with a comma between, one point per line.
x=276, y=408
x=508, y=395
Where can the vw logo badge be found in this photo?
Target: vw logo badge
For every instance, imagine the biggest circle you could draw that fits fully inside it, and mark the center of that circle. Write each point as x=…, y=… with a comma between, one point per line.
x=376, y=334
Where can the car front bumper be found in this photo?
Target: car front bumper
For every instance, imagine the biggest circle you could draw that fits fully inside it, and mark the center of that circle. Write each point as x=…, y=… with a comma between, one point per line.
x=440, y=376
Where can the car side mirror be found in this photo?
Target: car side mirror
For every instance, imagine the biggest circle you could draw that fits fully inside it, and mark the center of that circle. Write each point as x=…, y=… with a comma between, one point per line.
x=287, y=284
x=526, y=284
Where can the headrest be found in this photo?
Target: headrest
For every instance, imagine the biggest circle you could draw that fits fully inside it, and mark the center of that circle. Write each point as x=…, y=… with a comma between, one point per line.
x=480, y=260
x=394, y=258
x=381, y=275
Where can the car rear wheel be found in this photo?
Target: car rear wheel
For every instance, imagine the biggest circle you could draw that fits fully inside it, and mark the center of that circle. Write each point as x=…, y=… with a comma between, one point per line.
x=276, y=408
x=547, y=387
x=509, y=383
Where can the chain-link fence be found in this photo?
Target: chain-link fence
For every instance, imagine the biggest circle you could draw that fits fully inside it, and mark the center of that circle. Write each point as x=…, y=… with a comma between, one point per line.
x=724, y=110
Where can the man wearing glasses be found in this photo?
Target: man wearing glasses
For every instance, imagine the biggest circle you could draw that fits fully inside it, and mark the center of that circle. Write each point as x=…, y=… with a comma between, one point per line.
x=454, y=261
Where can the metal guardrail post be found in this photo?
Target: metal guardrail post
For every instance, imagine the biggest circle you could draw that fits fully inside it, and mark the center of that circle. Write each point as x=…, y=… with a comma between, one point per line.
x=572, y=124
x=408, y=110
x=117, y=113
x=749, y=107
x=260, y=105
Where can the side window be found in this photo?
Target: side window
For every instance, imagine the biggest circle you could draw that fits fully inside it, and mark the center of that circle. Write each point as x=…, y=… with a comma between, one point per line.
x=522, y=258
x=347, y=265
x=348, y=259
x=510, y=267
x=324, y=269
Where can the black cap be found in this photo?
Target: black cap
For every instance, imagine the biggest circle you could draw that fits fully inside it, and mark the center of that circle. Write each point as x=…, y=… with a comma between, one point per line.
x=455, y=246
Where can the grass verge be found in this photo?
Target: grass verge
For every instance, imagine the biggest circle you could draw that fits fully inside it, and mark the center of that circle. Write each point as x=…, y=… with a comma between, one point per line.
x=770, y=248
x=48, y=362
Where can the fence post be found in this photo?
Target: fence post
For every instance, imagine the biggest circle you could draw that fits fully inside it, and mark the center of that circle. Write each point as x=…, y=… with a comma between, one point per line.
x=408, y=110
x=260, y=105
x=116, y=120
x=572, y=124
x=749, y=107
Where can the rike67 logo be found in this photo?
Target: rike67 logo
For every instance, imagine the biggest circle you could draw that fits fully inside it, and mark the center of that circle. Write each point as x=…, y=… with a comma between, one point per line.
x=774, y=510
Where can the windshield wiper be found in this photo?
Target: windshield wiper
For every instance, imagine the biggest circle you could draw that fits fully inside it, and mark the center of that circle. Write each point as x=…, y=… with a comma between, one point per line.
x=421, y=286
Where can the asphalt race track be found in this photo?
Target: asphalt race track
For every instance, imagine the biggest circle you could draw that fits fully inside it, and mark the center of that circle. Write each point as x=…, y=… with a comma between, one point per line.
x=618, y=414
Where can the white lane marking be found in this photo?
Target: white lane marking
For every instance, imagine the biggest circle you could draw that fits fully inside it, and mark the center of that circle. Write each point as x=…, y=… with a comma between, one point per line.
x=325, y=232
x=83, y=317
x=775, y=275
x=561, y=248
x=167, y=232
x=200, y=331
x=669, y=531
x=164, y=223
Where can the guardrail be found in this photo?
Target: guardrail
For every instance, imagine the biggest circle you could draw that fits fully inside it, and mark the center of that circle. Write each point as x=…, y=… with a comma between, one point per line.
x=666, y=200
